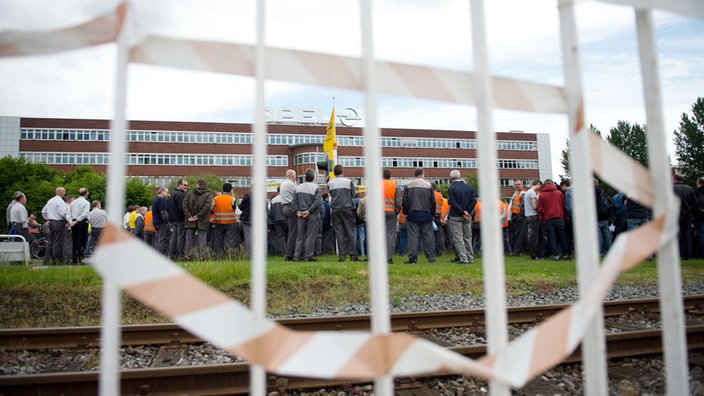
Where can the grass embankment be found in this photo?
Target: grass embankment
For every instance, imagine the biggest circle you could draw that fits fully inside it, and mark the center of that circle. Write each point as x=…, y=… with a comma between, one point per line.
x=70, y=296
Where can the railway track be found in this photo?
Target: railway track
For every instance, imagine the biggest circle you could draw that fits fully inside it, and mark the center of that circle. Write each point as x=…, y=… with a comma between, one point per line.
x=234, y=378
x=161, y=334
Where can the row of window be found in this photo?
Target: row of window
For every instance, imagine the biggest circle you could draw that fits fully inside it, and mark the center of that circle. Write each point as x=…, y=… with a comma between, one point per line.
x=152, y=159
x=273, y=139
x=412, y=162
x=166, y=181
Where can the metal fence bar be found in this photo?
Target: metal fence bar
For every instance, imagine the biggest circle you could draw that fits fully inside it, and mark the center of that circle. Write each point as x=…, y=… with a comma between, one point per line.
x=669, y=274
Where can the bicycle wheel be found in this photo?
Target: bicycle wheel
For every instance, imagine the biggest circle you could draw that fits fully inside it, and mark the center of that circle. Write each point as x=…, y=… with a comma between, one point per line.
x=38, y=248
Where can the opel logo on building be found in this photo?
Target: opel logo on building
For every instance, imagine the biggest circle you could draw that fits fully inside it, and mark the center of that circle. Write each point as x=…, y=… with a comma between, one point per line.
x=348, y=117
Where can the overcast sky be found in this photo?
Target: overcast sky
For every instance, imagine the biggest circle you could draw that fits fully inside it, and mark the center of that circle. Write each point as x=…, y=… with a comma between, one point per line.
x=523, y=43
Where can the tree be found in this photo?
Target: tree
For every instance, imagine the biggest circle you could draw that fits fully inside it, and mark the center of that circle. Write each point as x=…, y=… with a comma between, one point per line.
x=689, y=144
x=565, y=158
x=631, y=139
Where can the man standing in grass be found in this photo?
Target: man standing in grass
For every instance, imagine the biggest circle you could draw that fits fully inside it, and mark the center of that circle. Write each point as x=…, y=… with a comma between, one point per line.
x=535, y=232
x=419, y=205
x=461, y=198
x=196, y=210
x=56, y=213
x=160, y=219
x=342, y=193
x=287, y=191
x=307, y=202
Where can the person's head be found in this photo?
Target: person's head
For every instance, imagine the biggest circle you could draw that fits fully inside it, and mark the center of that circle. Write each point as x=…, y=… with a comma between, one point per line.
x=455, y=175
x=83, y=192
x=21, y=198
x=419, y=172
x=434, y=186
x=337, y=170
x=227, y=188
x=564, y=184
x=326, y=197
x=700, y=182
x=182, y=185
x=143, y=210
x=60, y=191
x=201, y=183
x=96, y=204
x=70, y=198
x=596, y=182
x=310, y=174
x=536, y=184
x=678, y=178
x=387, y=174
x=549, y=182
x=32, y=216
x=291, y=174
x=163, y=192
x=518, y=184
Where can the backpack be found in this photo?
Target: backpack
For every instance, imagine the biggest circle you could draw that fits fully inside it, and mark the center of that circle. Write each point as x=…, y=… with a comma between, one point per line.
x=605, y=206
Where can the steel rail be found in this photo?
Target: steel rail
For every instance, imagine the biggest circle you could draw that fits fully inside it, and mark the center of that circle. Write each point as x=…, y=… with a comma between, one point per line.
x=159, y=334
x=234, y=378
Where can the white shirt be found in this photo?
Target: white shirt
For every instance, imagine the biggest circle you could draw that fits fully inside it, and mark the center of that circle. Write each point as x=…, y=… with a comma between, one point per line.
x=79, y=209
x=18, y=214
x=55, y=209
x=98, y=218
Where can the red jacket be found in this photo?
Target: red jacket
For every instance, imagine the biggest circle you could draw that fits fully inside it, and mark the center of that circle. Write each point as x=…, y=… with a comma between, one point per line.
x=551, y=203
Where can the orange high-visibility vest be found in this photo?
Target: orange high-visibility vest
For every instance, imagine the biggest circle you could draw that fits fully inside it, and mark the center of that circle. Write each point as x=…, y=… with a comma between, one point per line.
x=389, y=195
x=438, y=203
x=477, y=212
x=516, y=203
x=222, y=210
x=445, y=208
x=401, y=217
x=149, y=222
x=503, y=208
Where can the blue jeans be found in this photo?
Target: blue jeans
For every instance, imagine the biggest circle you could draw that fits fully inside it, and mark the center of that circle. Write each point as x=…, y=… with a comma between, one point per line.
x=402, y=236
x=360, y=235
x=556, y=236
x=604, y=237
x=635, y=223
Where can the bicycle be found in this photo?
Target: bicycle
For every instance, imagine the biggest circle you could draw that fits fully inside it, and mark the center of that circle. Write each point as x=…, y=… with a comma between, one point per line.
x=37, y=247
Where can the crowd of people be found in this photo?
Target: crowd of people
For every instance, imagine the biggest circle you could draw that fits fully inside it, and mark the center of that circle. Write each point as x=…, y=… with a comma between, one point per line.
x=305, y=222
x=540, y=218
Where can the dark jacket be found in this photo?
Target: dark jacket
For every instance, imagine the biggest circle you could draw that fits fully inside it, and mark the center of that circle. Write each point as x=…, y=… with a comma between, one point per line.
x=688, y=198
x=175, y=206
x=197, y=203
x=461, y=198
x=418, y=201
x=245, y=207
x=634, y=210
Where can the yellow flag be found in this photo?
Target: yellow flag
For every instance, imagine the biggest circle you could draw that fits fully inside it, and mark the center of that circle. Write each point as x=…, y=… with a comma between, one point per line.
x=329, y=143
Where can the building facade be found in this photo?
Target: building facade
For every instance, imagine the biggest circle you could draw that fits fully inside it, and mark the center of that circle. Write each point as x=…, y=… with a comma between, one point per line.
x=161, y=152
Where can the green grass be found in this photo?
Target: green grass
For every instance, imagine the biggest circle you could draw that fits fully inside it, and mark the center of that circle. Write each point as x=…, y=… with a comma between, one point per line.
x=70, y=296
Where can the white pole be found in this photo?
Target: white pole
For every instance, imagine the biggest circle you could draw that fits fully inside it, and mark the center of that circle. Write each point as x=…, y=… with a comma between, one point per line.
x=115, y=203
x=492, y=244
x=257, y=376
x=584, y=216
x=671, y=306
x=378, y=276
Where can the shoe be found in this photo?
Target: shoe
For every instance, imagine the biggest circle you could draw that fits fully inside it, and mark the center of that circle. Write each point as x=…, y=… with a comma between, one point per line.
x=556, y=258
x=565, y=256
x=431, y=261
x=536, y=258
x=471, y=261
x=455, y=260
x=311, y=259
x=389, y=261
x=354, y=259
x=410, y=262
x=462, y=262
x=296, y=259
x=341, y=260
x=288, y=258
